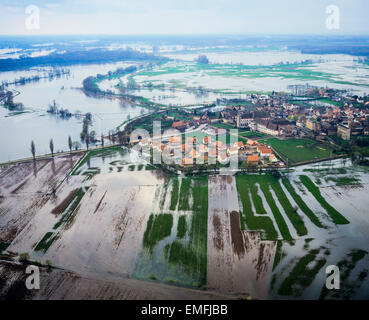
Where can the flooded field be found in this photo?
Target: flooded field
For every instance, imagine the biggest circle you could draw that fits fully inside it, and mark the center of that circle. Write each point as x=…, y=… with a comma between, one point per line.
x=238, y=261
x=174, y=243
x=234, y=73
x=26, y=189
x=299, y=268
x=105, y=219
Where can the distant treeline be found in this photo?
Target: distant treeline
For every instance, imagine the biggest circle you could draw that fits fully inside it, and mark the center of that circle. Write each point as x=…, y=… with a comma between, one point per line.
x=54, y=73
x=353, y=50
x=77, y=57
x=90, y=87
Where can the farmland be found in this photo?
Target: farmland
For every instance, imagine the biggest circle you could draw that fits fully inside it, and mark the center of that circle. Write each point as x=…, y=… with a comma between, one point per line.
x=259, y=235
x=174, y=243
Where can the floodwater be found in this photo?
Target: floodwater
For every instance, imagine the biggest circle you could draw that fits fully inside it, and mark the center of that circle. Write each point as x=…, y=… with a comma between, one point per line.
x=333, y=245
x=333, y=70
x=338, y=71
x=104, y=238
x=36, y=124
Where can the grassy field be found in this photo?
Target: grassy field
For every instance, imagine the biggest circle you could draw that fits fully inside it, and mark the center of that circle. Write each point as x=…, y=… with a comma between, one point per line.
x=189, y=249
x=265, y=183
x=264, y=224
x=251, y=134
x=174, y=196
x=223, y=126
x=249, y=188
x=290, y=211
x=184, y=199
x=299, y=71
x=298, y=150
x=158, y=227
x=181, y=227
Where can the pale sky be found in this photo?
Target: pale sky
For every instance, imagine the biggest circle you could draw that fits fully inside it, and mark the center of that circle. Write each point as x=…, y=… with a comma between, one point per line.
x=184, y=17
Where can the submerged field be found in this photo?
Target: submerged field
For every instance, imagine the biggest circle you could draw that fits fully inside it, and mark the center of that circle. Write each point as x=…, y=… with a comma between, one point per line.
x=174, y=242
x=258, y=235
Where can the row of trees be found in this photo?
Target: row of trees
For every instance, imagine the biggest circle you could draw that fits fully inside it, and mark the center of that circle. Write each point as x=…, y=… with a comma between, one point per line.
x=72, y=145
x=54, y=73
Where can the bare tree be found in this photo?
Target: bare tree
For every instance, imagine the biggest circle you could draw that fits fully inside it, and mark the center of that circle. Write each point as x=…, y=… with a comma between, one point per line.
x=87, y=140
x=70, y=143
x=33, y=150
x=52, y=147
x=120, y=137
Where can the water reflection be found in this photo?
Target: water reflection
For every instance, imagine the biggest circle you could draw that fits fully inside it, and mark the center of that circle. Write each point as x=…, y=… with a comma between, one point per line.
x=35, y=124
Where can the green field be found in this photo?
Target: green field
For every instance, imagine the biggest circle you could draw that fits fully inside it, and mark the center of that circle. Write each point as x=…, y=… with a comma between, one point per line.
x=254, y=215
x=179, y=71
x=298, y=150
x=248, y=191
x=251, y=134
x=223, y=126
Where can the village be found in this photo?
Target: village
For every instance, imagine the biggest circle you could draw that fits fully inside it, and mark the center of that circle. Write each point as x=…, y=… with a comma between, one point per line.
x=250, y=129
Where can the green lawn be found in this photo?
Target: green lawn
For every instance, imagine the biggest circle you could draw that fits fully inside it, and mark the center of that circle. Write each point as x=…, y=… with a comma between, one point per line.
x=298, y=150
x=223, y=126
x=251, y=134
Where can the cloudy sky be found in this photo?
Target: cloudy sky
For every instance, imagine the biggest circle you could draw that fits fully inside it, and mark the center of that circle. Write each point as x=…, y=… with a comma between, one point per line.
x=184, y=17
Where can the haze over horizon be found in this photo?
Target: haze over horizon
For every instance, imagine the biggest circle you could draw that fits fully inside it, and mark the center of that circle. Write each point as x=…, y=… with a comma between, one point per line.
x=165, y=17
